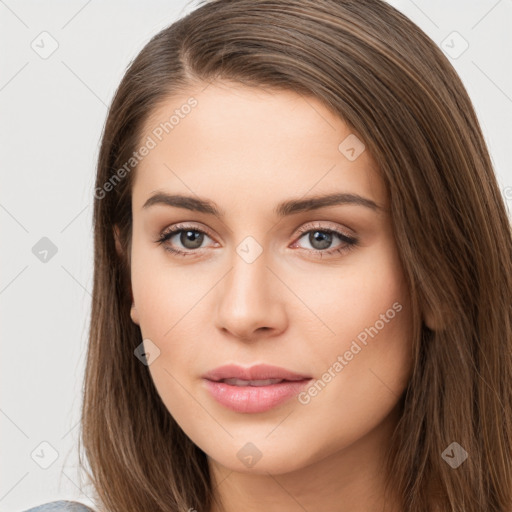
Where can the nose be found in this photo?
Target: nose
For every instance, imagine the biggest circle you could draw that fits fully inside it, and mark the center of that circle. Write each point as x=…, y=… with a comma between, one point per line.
x=250, y=300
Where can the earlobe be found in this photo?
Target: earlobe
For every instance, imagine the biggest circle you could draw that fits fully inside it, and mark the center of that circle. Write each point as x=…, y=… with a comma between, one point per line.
x=134, y=314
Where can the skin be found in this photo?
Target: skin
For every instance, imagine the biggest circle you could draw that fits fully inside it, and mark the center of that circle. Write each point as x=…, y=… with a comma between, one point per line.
x=247, y=150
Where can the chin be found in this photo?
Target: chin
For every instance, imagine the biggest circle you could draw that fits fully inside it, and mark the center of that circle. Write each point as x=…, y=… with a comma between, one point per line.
x=260, y=458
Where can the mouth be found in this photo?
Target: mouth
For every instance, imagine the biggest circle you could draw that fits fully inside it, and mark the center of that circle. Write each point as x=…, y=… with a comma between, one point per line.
x=253, y=396
x=255, y=383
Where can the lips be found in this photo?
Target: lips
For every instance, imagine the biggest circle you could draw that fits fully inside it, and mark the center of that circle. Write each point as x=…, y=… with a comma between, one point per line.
x=258, y=375
x=253, y=390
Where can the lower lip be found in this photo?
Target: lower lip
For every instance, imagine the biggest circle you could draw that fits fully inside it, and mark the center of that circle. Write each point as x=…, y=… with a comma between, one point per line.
x=253, y=399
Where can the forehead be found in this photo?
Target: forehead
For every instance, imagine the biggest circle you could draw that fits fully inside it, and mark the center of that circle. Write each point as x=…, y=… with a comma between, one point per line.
x=252, y=140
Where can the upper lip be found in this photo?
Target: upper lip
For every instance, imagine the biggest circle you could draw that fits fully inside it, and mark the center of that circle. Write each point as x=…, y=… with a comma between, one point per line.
x=257, y=372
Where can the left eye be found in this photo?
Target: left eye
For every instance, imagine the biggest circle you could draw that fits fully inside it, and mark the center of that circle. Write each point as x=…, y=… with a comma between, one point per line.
x=321, y=239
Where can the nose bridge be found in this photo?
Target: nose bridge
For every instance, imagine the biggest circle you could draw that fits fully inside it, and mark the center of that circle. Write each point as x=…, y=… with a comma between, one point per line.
x=247, y=281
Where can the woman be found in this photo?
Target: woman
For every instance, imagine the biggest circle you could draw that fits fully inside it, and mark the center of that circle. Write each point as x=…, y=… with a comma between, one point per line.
x=303, y=272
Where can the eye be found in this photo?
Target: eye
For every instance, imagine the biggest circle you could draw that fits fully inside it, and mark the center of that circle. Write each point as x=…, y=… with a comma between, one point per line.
x=190, y=237
x=321, y=238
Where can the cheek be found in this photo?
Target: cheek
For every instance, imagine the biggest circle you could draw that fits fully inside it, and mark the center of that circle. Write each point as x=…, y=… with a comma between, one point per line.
x=365, y=355
x=170, y=307
x=364, y=299
x=167, y=305
x=163, y=294
x=382, y=327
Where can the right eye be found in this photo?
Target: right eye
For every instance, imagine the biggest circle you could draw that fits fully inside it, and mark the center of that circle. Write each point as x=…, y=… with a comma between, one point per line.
x=190, y=238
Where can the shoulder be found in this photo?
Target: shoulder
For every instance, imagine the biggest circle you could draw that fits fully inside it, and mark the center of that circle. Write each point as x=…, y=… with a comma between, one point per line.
x=61, y=506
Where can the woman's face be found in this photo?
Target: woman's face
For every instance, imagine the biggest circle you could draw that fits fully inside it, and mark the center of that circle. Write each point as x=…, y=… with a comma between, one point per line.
x=276, y=277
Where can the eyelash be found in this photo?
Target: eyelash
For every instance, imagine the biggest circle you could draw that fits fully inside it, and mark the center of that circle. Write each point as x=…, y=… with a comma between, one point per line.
x=350, y=242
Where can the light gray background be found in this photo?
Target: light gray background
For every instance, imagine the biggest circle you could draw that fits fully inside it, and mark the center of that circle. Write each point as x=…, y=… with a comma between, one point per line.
x=52, y=115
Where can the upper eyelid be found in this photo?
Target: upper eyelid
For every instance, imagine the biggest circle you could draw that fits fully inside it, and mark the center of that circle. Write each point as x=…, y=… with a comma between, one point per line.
x=322, y=226
x=181, y=226
x=319, y=224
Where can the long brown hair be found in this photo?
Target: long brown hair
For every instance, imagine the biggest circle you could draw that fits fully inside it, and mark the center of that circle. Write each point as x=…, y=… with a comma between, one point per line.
x=393, y=86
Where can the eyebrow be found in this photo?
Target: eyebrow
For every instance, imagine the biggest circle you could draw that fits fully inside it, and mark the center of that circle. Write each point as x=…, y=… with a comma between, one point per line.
x=283, y=209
